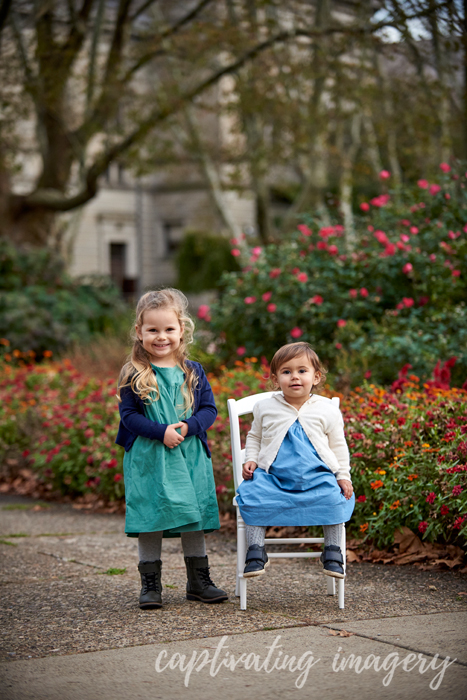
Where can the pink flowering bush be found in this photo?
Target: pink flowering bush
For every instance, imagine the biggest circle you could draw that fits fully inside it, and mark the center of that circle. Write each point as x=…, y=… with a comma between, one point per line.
x=398, y=296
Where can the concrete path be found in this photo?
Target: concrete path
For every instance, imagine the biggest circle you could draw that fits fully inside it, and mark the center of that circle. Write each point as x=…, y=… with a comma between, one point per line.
x=71, y=628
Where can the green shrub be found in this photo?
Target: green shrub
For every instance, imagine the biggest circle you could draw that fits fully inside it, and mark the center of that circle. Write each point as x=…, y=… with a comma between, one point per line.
x=201, y=260
x=399, y=295
x=42, y=309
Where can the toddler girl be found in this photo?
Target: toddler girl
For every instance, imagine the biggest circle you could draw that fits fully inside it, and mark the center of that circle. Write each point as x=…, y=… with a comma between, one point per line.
x=297, y=441
x=166, y=405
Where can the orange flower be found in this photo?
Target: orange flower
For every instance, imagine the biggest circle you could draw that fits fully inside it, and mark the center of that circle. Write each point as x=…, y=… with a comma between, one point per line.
x=363, y=528
x=395, y=505
x=4, y=341
x=377, y=484
x=48, y=353
x=408, y=443
x=411, y=477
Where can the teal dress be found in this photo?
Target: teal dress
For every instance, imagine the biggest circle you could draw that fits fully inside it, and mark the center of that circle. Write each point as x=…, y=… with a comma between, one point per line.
x=172, y=490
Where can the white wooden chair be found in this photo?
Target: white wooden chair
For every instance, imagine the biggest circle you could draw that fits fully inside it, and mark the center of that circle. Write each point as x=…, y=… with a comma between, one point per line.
x=237, y=409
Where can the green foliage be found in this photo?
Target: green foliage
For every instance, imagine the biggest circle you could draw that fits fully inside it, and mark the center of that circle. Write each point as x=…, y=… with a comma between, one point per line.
x=201, y=260
x=398, y=296
x=43, y=310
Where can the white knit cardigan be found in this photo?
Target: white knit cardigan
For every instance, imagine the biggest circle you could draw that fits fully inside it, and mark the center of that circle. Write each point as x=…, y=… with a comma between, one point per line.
x=321, y=420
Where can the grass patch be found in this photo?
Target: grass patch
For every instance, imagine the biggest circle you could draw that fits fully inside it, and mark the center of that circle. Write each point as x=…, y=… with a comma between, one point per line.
x=169, y=585
x=12, y=544
x=58, y=534
x=114, y=572
x=18, y=534
x=25, y=506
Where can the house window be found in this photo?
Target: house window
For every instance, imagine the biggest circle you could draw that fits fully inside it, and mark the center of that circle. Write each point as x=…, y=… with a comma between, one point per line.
x=173, y=235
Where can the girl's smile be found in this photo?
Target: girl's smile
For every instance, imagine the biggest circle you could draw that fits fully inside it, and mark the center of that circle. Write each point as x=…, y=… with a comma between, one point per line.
x=161, y=334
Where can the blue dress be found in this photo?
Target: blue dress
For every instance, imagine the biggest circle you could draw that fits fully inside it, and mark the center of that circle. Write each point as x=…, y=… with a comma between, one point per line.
x=298, y=490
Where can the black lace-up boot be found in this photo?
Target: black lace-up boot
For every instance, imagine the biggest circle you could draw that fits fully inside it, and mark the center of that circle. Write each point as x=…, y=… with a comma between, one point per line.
x=199, y=585
x=151, y=588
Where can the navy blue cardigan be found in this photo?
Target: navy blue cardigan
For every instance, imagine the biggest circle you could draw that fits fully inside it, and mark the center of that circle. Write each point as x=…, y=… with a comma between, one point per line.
x=133, y=422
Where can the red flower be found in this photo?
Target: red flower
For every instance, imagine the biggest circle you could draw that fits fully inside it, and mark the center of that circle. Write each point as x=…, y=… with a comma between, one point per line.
x=401, y=420
x=457, y=490
x=250, y=300
x=364, y=206
x=434, y=189
x=266, y=296
x=423, y=184
x=322, y=245
x=445, y=167
x=431, y=497
x=353, y=293
x=302, y=277
x=118, y=477
x=275, y=272
x=367, y=374
x=444, y=510
x=381, y=237
x=384, y=175
x=380, y=201
x=305, y=230
x=408, y=267
x=338, y=346
x=333, y=250
x=458, y=522
x=271, y=308
x=241, y=350
x=235, y=252
x=363, y=292
x=423, y=526
x=203, y=311
x=357, y=454
x=296, y=332
x=361, y=499
x=408, y=302
x=376, y=484
x=341, y=323
x=317, y=299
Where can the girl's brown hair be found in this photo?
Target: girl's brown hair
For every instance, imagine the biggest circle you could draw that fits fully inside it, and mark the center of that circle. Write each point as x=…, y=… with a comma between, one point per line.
x=293, y=350
x=138, y=372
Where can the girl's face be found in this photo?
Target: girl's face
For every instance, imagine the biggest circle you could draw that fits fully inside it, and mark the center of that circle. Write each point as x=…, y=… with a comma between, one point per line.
x=296, y=378
x=161, y=334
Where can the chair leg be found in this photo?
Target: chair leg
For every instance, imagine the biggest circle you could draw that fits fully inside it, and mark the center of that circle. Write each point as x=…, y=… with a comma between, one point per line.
x=242, y=593
x=331, y=584
x=341, y=582
x=241, y=554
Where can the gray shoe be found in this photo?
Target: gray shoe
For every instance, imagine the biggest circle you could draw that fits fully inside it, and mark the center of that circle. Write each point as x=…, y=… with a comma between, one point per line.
x=150, y=597
x=199, y=585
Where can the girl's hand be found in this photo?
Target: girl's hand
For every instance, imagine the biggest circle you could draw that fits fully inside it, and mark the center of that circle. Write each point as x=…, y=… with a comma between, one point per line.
x=248, y=469
x=346, y=487
x=171, y=437
x=184, y=429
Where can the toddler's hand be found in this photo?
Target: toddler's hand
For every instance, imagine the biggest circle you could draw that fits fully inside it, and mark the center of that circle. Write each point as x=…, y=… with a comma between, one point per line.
x=184, y=429
x=171, y=437
x=248, y=469
x=346, y=487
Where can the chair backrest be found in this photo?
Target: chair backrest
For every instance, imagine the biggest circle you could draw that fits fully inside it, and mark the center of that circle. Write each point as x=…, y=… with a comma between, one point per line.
x=237, y=409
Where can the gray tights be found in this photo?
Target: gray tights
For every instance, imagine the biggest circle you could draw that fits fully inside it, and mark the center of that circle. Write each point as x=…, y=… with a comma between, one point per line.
x=150, y=545
x=256, y=534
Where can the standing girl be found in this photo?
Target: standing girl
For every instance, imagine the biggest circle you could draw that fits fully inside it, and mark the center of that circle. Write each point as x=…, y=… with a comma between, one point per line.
x=297, y=441
x=166, y=405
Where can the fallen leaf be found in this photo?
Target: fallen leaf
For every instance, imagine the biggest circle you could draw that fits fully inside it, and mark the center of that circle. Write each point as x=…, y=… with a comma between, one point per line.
x=334, y=633
x=432, y=588
x=341, y=633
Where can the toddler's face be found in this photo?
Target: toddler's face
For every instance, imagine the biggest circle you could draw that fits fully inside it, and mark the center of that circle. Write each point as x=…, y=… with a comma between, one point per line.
x=296, y=378
x=160, y=334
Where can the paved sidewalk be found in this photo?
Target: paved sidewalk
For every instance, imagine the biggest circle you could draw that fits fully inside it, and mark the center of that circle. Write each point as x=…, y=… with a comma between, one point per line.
x=58, y=602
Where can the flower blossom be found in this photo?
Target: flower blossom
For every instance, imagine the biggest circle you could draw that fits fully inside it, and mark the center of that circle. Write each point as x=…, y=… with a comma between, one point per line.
x=341, y=323
x=364, y=206
x=380, y=201
x=275, y=272
x=266, y=296
x=408, y=267
x=423, y=184
x=235, y=252
x=250, y=300
x=296, y=332
x=271, y=307
x=434, y=189
x=304, y=230
x=431, y=497
x=445, y=167
x=241, y=351
x=203, y=311
x=384, y=175
x=423, y=526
